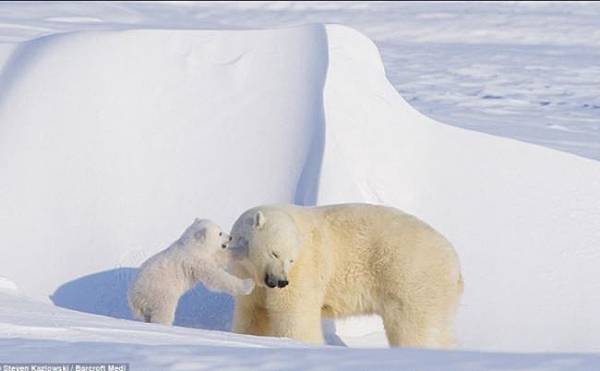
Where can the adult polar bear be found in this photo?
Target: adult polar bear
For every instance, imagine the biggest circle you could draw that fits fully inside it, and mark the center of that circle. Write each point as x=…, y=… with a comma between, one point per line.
x=345, y=260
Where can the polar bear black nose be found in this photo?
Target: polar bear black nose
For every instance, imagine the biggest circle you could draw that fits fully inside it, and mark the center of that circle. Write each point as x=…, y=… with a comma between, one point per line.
x=224, y=246
x=230, y=238
x=270, y=281
x=281, y=284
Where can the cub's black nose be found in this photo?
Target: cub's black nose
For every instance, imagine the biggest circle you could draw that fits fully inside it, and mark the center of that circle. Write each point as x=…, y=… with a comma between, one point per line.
x=224, y=246
x=230, y=238
x=282, y=284
x=270, y=281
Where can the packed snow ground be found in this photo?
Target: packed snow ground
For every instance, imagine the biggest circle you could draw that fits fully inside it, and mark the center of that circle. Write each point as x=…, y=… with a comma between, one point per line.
x=38, y=332
x=110, y=142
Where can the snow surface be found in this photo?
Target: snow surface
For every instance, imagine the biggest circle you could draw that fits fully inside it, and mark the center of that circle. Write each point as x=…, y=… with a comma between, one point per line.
x=110, y=141
x=525, y=70
x=38, y=332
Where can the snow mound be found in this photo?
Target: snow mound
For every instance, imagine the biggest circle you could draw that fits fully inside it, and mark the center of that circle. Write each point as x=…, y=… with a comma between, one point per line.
x=7, y=285
x=136, y=133
x=111, y=141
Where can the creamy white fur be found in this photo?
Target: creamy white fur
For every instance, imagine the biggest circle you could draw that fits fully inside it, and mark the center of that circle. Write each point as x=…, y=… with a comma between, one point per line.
x=200, y=254
x=346, y=260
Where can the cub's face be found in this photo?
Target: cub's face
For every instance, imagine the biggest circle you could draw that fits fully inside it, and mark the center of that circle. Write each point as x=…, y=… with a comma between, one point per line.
x=269, y=243
x=207, y=238
x=214, y=237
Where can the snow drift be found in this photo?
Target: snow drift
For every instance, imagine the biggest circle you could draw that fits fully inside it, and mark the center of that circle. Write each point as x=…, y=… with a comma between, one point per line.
x=111, y=141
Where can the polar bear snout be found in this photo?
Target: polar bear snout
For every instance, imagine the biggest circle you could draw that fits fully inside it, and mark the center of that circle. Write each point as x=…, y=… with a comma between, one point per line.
x=225, y=243
x=273, y=281
x=282, y=283
x=270, y=281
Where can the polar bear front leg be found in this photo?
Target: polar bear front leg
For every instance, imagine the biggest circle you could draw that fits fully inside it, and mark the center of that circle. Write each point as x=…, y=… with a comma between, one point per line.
x=299, y=322
x=218, y=280
x=249, y=318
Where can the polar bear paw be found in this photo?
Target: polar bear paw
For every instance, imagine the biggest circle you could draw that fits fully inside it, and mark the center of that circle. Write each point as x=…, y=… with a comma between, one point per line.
x=247, y=287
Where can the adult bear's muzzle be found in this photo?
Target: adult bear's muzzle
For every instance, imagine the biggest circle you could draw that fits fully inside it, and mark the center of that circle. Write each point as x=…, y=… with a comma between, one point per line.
x=273, y=281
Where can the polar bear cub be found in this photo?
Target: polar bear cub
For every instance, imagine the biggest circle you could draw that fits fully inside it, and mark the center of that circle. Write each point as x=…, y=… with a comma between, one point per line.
x=201, y=254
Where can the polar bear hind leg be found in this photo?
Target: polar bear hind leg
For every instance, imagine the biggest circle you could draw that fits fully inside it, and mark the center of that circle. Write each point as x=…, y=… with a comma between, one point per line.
x=417, y=326
x=165, y=315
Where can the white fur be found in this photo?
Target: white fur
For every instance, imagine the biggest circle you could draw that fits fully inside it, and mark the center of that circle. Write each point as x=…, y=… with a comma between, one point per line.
x=346, y=260
x=200, y=254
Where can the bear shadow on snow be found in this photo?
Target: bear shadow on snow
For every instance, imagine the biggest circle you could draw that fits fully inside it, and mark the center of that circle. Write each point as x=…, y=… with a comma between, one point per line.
x=105, y=293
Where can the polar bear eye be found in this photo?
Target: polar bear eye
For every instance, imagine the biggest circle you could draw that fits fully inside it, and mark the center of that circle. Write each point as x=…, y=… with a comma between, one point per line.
x=291, y=260
x=220, y=234
x=275, y=255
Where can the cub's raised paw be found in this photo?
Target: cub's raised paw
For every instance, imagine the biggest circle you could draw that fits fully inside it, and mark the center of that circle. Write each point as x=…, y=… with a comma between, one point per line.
x=247, y=287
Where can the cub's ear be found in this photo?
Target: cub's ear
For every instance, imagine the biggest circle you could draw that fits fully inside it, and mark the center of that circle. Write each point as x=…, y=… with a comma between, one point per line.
x=200, y=235
x=259, y=220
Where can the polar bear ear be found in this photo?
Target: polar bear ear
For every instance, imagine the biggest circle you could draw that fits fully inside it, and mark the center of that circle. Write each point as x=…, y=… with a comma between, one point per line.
x=259, y=220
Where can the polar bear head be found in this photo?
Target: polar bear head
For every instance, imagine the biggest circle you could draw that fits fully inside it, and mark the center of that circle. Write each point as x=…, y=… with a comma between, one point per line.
x=205, y=238
x=270, y=242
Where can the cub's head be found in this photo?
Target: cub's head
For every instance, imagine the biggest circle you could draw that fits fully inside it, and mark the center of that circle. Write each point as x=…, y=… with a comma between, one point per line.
x=269, y=242
x=207, y=238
